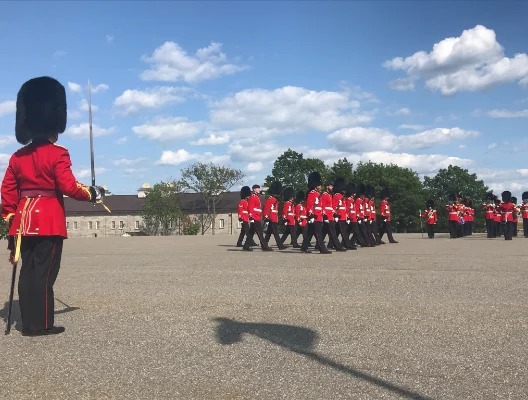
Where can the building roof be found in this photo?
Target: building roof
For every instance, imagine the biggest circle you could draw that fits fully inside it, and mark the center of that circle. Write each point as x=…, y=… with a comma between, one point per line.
x=190, y=203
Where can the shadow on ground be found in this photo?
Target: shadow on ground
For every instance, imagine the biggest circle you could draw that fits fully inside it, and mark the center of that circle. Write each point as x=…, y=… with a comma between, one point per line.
x=302, y=341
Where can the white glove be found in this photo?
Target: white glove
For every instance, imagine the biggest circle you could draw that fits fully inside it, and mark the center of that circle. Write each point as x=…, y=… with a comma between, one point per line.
x=311, y=220
x=336, y=219
x=97, y=193
x=359, y=221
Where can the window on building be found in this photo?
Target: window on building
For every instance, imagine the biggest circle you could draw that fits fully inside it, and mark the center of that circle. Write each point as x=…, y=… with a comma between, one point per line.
x=68, y=225
x=96, y=224
x=121, y=224
x=137, y=224
x=74, y=225
x=222, y=224
x=90, y=225
x=113, y=225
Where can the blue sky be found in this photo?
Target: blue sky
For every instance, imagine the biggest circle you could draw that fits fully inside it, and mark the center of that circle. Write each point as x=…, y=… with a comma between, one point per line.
x=421, y=84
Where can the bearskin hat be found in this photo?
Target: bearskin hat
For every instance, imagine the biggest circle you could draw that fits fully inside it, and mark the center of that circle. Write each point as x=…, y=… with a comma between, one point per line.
x=40, y=109
x=525, y=196
x=351, y=188
x=245, y=192
x=506, y=196
x=339, y=185
x=429, y=204
x=362, y=189
x=514, y=200
x=275, y=188
x=372, y=191
x=288, y=193
x=314, y=180
x=470, y=204
x=490, y=196
x=452, y=197
x=301, y=196
x=497, y=201
x=384, y=193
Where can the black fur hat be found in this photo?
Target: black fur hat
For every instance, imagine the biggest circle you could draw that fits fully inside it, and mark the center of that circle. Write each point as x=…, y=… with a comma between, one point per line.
x=351, y=188
x=452, y=197
x=490, y=196
x=40, y=109
x=514, y=200
x=245, y=192
x=525, y=196
x=384, y=193
x=339, y=185
x=275, y=188
x=288, y=193
x=361, y=189
x=301, y=196
x=429, y=204
x=314, y=180
x=506, y=196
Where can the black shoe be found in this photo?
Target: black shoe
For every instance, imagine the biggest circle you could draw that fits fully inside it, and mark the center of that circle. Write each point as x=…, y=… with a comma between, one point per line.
x=267, y=249
x=296, y=246
x=306, y=251
x=247, y=249
x=352, y=247
x=381, y=242
x=325, y=251
x=239, y=245
x=51, y=331
x=341, y=249
x=283, y=247
x=394, y=241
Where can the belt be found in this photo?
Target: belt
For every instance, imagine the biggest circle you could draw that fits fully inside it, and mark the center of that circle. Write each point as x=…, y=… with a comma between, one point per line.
x=38, y=193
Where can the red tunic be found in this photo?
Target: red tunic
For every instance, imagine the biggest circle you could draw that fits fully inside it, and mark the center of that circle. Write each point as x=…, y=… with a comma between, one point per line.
x=488, y=211
x=351, y=207
x=524, y=210
x=313, y=205
x=243, y=210
x=366, y=209
x=430, y=217
x=507, y=211
x=288, y=213
x=37, y=177
x=254, y=207
x=372, y=210
x=385, y=209
x=452, y=214
x=340, y=206
x=498, y=215
x=271, y=209
x=359, y=209
x=326, y=203
x=300, y=214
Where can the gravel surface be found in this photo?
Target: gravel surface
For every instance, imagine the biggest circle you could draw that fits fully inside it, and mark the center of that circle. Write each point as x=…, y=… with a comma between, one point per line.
x=196, y=318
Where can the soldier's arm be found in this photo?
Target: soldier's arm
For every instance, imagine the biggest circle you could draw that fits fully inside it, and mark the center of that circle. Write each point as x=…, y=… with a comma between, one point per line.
x=9, y=194
x=66, y=181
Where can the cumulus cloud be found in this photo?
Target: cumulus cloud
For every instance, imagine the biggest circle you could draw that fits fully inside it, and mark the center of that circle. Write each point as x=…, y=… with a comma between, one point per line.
x=288, y=108
x=365, y=139
x=131, y=101
x=170, y=63
x=6, y=140
x=413, y=127
x=474, y=61
x=100, y=88
x=254, y=166
x=212, y=140
x=172, y=158
x=401, y=112
x=251, y=150
x=4, y=160
x=166, y=129
x=503, y=113
x=74, y=87
x=83, y=106
x=82, y=131
x=125, y=162
x=87, y=172
x=122, y=140
x=7, y=107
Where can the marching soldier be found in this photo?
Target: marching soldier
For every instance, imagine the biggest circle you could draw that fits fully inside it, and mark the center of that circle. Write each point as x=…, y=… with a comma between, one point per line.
x=353, y=226
x=489, y=215
x=516, y=211
x=452, y=216
x=339, y=202
x=300, y=214
x=368, y=217
x=288, y=217
x=271, y=213
x=498, y=218
x=243, y=215
x=329, y=216
x=506, y=209
x=460, y=214
x=360, y=212
x=386, y=215
x=37, y=177
x=524, y=213
x=255, y=216
x=374, y=216
x=430, y=217
x=314, y=212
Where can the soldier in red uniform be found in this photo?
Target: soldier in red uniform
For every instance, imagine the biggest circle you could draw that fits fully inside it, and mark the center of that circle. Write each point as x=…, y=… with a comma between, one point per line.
x=506, y=209
x=373, y=216
x=368, y=217
x=271, y=213
x=314, y=212
x=386, y=215
x=339, y=203
x=300, y=214
x=498, y=218
x=360, y=212
x=430, y=218
x=329, y=218
x=452, y=216
x=516, y=212
x=353, y=226
x=255, y=216
x=524, y=213
x=36, y=179
x=288, y=217
x=489, y=215
x=243, y=214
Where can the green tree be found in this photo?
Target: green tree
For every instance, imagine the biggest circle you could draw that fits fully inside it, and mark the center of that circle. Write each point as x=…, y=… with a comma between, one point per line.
x=341, y=169
x=4, y=229
x=209, y=181
x=405, y=188
x=160, y=210
x=455, y=180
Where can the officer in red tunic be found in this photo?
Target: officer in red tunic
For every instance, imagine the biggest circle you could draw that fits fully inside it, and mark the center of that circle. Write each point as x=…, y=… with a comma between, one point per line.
x=243, y=214
x=452, y=216
x=430, y=218
x=271, y=213
x=300, y=214
x=340, y=206
x=498, y=218
x=488, y=207
x=506, y=209
x=353, y=226
x=368, y=217
x=288, y=217
x=373, y=216
x=360, y=212
x=255, y=217
x=524, y=213
x=36, y=179
x=516, y=212
x=386, y=215
x=314, y=212
x=329, y=218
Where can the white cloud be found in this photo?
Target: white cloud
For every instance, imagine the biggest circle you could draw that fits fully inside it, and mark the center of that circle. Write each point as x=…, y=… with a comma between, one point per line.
x=212, y=140
x=288, y=108
x=170, y=63
x=74, y=114
x=255, y=166
x=4, y=160
x=82, y=131
x=474, y=61
x=401, y=111
x=492, y=146
x=166, y=129
x=87, y=172
x=357, y=93
x=462, y=146
x=413, y=127
x=402, y=84
x=172, y=158
x=109, y=38
x=100, y=88
x=364, y=139
x=122, y=140
x=6, y=140
x=504, y=113
x=74, y=87
x=125, y=162
x=450, y=117
x=131, y=101
x=83, y=106
x=250, y=150
x=7, y=107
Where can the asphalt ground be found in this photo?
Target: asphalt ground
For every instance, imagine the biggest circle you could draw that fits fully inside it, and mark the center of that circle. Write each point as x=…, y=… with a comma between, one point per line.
x=196, y=318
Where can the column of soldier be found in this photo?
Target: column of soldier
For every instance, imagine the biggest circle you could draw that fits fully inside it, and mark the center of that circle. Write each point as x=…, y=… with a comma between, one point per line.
x=345, y=212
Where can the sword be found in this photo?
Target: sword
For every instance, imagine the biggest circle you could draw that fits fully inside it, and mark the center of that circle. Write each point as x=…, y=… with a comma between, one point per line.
x=421, y=226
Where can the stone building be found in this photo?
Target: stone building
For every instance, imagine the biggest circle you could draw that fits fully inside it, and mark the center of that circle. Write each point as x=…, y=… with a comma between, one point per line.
x=83, y=219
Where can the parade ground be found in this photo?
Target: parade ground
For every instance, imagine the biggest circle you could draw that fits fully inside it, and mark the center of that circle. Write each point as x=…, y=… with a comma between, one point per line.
x=194, y=317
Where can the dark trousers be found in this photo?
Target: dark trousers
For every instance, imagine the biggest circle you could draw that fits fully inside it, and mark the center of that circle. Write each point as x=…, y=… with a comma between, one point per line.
x=255, y=227
x=375, y=231
x=357, y=238
x=291, y=230
x=342, y=229
x=243, y=233
x=329, y=228
x=41, y=258
x=314, y=229
x=498, y=229
x=508, y=230
x=453, y=229
x=387, y=227
x=490, y=228
x=370, y=233
x=273, y=227
x=430, y=231
x=364, y=233
x=525, y=227
x=514, y=228
x=300, y=230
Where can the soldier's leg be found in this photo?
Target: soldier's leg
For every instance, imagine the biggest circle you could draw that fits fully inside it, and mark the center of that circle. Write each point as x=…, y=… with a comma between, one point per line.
x=243, y=233
x=249, y=236
x=332, y=237
x=268, y=233
x=376, y=232
x=275, y=231
x=389, y=233
x=27, y=254
x=525, y=227
x=318, y=236
x=324, y=233
x=430, y=231
x=489, y=228
x=285, y=235
x=370, y=235
x=263, y=243
x=308, y=234
x=343, y=228
x=357, y=238
x=515, y=229
x=293, y=233
x=364, y=234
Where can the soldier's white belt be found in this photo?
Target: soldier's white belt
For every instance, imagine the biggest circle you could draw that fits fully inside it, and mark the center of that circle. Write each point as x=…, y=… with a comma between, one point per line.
x=257, y=209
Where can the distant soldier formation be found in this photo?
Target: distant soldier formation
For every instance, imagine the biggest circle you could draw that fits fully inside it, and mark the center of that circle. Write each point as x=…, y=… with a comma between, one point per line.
x=502, y=215
x=344, y=213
